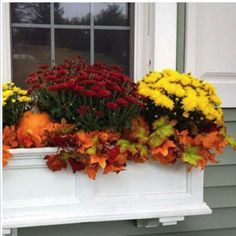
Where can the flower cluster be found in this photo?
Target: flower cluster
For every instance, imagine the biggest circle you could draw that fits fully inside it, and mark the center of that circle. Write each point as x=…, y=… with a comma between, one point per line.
x=182, y=97
x=100, y=120
x=14, y=101
x=92, y=96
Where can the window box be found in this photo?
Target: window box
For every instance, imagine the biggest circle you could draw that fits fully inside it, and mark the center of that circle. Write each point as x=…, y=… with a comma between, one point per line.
x=35, y=196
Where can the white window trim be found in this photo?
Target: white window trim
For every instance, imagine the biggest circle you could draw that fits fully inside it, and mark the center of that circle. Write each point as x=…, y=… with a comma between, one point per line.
x=155, y=37
x=155, y=30
x=6, y=43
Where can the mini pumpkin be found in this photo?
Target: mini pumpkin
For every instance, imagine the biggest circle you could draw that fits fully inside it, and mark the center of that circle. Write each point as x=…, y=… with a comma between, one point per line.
x=33, y=121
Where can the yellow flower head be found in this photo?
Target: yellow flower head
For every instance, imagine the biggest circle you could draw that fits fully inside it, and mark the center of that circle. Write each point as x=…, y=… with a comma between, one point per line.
x=175, y=91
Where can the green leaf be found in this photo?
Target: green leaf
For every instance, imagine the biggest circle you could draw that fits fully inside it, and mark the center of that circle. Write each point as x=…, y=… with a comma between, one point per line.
x=65, y=156
x=191, y=155
x=143, y=149
x=231, y=141
x=127, y=146
x=163, y=129
x=91, y=150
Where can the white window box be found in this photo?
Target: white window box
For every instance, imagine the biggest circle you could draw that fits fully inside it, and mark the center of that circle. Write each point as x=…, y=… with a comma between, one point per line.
x=34, y=196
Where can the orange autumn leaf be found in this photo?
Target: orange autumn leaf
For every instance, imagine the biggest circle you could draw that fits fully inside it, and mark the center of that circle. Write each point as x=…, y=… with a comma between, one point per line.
x=84, y=141
x=207, y=140
x=91, y=171
x=103, y=136
x=202, y=163
x=5, y=154
x=164, y=148
x=139, y=130
x=170, y=158
x=211, y=140
x=28, y=139
x=208, y=156
x=121, y=158
x=139, y=159
x=9, y=136
x=100, y=159
x=113, y=168
x=184, y=137
x=54, y=163
x=221, y=144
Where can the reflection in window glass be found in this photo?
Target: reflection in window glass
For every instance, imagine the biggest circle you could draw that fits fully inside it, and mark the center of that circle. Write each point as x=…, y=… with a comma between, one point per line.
x=111, y=14
x=71, y=43
x=37, y=13
x=72, y=13
x=73, y=34
x=112, y=47
x=30, y=48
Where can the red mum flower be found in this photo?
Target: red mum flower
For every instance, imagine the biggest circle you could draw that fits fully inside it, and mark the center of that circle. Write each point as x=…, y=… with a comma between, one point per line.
x=89, y=93
x=104, y=93
x=121, y=101
x=58, y=86
x=62, y=72
x=112, y=105
x=51, y=78
x=131, y=99
x=79, y=88
x=83, y=109
x=99, y=114
x=117, y=88
x=96, y=88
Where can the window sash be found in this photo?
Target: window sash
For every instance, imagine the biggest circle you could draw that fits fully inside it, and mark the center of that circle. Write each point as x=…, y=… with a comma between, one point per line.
x=150, y=22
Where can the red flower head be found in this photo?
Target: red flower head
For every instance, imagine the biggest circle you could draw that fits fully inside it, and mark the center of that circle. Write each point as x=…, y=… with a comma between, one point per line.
x=96, y=88
x=112, y=105
x=79, y=88
x=99, y=114
x=121, y=101
x=83, y=109
x=104, y=93
x=89, y=93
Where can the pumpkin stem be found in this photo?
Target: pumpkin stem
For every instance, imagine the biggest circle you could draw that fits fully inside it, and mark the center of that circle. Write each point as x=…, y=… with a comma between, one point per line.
x=35, y=109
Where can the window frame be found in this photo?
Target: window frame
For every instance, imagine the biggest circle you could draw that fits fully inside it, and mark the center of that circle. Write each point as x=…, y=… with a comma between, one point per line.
x=154, y=38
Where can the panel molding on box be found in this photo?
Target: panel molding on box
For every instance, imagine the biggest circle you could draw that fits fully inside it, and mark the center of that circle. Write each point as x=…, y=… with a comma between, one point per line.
x=63, y=197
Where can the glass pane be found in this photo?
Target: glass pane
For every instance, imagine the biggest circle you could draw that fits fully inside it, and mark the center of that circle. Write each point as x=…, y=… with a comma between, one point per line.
x=38, y=13
x=72, y=13
x=30, y=48
x=71, y=43
x=112, y=47
x=111, y=14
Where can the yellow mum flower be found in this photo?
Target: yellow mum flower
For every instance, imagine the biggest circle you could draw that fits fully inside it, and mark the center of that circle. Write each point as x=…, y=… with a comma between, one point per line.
x=215, y=99
x=189, y=103
x=185, y=80
x=22, y=92
x=7, y=93
x=24, y=99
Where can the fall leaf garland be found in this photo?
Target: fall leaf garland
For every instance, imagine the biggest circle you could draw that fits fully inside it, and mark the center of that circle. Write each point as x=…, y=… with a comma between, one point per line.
x=111, y=151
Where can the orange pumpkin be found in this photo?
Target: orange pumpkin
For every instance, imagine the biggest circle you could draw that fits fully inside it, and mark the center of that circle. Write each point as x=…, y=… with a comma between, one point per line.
x=33, y=121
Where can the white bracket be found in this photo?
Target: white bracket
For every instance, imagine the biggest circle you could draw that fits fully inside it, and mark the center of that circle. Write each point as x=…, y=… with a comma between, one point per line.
x=171, y=220
x=9, y=232
x=165, y=221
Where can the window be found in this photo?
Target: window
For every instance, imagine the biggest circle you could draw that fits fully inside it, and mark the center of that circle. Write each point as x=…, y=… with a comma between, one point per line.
x=51, y=32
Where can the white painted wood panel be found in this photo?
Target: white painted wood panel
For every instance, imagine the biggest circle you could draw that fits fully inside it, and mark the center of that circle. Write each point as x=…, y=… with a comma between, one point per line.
x=211, y=48
x=33, y=195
